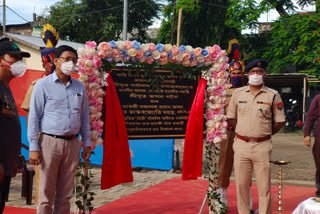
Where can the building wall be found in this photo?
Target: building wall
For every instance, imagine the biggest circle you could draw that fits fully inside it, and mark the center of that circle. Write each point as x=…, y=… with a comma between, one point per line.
x=24, y=29
x=34, y=62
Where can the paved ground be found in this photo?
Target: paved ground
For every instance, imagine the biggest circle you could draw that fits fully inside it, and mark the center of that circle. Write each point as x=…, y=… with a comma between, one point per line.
x=285, y=147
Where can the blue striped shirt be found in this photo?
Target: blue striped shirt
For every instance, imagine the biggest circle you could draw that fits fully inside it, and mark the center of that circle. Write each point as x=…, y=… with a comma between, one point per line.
x=58, y=109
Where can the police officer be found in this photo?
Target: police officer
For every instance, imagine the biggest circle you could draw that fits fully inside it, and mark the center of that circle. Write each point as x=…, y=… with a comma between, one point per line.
x=255, y=112
x=236, y=73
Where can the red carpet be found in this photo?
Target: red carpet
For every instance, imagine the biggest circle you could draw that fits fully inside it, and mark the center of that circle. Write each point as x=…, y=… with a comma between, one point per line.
x=178, y=196
x=183, y=197
x=18, y=210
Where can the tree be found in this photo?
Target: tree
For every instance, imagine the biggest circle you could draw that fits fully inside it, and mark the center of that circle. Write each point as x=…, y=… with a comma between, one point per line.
x=102, y=20
x=295, y=40
x=203, y=23
x=243, y=14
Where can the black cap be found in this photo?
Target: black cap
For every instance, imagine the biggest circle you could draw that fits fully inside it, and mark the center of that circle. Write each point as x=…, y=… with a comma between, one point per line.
x=260, y=63
x=8, y=47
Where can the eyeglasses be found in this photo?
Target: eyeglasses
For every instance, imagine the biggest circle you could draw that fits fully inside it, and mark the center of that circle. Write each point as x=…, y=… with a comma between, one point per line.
x=257, y=71
x=67, y=59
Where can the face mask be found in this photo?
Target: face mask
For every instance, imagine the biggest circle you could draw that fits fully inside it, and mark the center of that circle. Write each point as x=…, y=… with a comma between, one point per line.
x=236, y=81
x=52, y=68
x=17, y=68
x=256, y=79
x=67, y=67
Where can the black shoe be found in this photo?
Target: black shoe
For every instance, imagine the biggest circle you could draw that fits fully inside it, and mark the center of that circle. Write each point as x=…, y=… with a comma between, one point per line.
x=251, y=212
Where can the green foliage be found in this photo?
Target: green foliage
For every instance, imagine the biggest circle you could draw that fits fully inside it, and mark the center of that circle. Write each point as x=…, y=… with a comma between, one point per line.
x=84, y=198
x=244, y=14
x=212, y=153
x=253, y=46
x=102, y=20
x=202, y=23
x=295, y=40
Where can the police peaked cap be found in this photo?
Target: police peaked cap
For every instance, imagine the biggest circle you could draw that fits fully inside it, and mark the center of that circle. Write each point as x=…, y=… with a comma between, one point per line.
x=259, y=63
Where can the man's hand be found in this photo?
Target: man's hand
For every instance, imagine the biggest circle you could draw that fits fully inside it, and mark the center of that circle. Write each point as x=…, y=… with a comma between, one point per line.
x=34, y=158
x=307, y=141
x=86, y=153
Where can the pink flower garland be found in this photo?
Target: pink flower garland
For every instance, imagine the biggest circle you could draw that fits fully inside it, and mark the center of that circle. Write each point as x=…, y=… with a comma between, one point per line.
x=150, y=53
x=93, y=81
x=216, y=124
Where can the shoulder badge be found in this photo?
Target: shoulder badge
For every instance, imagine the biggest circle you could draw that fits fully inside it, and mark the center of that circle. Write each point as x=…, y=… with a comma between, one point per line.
x=280, y=105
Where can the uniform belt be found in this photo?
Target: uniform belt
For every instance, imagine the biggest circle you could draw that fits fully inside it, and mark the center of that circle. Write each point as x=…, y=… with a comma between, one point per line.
x=259, y=139
x=66, y=137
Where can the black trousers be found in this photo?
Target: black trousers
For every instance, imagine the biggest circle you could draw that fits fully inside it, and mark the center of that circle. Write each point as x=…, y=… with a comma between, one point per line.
x=4, y=190
x=316, y=157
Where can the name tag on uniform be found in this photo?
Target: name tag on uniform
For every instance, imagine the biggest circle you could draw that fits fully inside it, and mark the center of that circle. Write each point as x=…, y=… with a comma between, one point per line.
x=241, y=101
x=260, y=102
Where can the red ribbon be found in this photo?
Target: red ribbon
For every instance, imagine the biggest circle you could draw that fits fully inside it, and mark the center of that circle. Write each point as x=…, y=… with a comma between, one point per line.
x=192, y=155
x=116, y=166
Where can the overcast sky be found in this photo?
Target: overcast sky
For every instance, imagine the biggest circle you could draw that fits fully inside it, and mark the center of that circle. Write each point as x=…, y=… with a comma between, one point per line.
x=25, y=8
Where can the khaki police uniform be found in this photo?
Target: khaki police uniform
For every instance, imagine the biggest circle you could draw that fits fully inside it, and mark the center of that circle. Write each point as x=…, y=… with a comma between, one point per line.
x=26, y=106
x=26, y=102
x=252, y=146
x=226, y=151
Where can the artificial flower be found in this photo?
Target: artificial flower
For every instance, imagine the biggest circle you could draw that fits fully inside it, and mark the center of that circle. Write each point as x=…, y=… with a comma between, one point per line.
x=120, y=45
x=132, y=52
x=152, y=47
x=127, y=45
x=104, y=46
x=145, y=47
x=167, y=48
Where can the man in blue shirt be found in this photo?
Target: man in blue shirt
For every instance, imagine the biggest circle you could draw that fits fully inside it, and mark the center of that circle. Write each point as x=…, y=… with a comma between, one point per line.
x=59, y=111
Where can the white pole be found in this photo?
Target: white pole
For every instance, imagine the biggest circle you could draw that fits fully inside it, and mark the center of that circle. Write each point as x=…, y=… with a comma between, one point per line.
x=204, y=204
x=304, y=96
x=125, y=19
x=4, y=17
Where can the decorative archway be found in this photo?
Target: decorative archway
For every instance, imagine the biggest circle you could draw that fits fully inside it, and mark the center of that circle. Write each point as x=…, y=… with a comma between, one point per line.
x=211, y=93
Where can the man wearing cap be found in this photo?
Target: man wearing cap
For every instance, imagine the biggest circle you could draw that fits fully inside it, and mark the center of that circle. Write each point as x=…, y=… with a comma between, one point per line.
x=255, y=112
x=236, y=74
x=59, y=110
x=11, y=66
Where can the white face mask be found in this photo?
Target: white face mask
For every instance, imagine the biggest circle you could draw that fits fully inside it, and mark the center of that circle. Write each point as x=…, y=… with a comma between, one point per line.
x=18, y=68
x=255, y=79
x=67, y=67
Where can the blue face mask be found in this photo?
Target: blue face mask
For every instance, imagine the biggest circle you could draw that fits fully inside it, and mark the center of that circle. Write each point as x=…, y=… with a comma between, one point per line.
x=236, y=81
